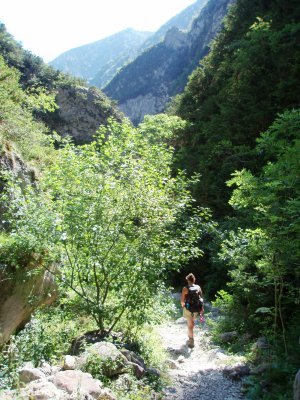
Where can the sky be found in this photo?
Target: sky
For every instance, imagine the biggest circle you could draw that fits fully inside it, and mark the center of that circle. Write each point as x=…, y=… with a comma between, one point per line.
x=48, y=28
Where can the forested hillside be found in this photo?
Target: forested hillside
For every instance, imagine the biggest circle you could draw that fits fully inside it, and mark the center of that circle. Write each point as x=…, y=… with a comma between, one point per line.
x=249, y=77
x=242, y=136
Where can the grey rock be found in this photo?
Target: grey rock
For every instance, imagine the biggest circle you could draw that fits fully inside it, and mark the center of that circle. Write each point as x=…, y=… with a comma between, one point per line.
x=44, y=390
x=138, y=371
x=237, y=372
x=81, y=112
x=133, y=357
x=74, y=382
x=228, y=337
x=113, y=362
x=153, y=371
x=297, y=386
x=27, y=375
x=46, y=368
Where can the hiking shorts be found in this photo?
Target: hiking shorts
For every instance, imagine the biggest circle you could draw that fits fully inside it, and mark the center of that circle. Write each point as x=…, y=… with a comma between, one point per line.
x=188, y=315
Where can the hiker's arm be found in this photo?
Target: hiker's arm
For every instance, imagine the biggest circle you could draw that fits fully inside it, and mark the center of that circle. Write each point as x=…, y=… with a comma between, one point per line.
x=201, y=294
x=183, y=296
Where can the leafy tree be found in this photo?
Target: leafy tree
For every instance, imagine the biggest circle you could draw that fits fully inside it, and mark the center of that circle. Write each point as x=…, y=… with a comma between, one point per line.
x=264, y=258
x=115, y=219
x=248, y=78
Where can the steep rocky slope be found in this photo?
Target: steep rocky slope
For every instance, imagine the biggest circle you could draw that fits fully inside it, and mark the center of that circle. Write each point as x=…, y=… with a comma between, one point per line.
x=146, y=85
x=182, y=21
x=81, y=109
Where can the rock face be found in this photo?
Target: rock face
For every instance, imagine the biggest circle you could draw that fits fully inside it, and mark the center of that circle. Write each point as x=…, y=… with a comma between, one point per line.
x=21, y=291
x=81, y=111
x=147, y=84
x=183, y=21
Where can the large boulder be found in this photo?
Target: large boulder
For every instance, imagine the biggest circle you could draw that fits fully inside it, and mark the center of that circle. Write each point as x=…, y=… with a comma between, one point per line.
x=27, y=375
x=22, y=291
x=43, y=390
x=78, y=382
x=106, y=357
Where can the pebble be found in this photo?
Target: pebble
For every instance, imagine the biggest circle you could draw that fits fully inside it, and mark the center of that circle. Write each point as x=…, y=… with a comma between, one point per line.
x=199, y=375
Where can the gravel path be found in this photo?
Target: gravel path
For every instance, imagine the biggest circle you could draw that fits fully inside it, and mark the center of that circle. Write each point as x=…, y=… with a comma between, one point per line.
x=196, y=374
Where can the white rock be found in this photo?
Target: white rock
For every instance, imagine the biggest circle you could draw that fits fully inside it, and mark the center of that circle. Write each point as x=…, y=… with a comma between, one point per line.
x=69, y=362
x=46, y=368
x=221, y=356
x=74, y=382
x=44, y=390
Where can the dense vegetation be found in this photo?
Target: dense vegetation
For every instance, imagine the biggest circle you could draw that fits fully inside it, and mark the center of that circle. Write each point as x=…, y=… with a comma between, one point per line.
x=242, y=135
x=117, y=214
x=109, y=219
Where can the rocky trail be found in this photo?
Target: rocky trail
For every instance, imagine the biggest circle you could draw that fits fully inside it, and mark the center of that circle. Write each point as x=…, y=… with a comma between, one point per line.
x=199, y=373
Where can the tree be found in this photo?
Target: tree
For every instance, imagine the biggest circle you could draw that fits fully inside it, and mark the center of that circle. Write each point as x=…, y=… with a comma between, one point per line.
x=113, y=217
x=248, y=78
x=264, y=257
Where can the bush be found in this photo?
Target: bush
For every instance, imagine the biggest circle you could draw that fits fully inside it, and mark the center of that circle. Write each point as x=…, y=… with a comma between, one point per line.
x=46, y=337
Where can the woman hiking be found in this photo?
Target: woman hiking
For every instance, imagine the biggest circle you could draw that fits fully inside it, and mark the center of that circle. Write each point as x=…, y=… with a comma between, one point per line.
x=192, y=303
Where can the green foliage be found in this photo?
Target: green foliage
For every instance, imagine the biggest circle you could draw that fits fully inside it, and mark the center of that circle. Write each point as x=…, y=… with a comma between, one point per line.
x=161, y=128
x=263, y=259
x=46, y=337
x=236, y=93
x=18, y=127
x=100, y=368
x=117, y=219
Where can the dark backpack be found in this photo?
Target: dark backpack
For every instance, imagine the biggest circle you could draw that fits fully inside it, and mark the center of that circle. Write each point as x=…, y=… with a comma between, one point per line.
x=194, y=301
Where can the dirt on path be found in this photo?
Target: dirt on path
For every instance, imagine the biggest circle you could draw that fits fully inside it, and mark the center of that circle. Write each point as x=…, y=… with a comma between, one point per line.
x=197, y=374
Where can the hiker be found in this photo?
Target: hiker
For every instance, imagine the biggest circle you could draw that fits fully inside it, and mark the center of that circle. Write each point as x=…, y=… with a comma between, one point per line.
x=192, y=303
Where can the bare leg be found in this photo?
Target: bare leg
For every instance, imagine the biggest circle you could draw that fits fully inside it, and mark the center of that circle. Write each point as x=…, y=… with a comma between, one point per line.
x=191, y=324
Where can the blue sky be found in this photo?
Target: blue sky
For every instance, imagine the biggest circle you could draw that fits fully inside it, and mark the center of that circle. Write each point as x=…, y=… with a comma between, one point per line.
x=48, y=28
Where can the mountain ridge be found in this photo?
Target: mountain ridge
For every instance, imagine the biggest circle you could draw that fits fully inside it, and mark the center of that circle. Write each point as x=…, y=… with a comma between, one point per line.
x=87, y=60
x=147, y=84
x=98, y=64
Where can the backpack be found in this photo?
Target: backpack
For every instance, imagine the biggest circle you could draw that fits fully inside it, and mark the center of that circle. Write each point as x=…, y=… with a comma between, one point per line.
x=194, y=301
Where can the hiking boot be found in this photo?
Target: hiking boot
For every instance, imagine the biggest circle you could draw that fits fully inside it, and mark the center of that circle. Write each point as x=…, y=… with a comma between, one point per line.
x=191, y=342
